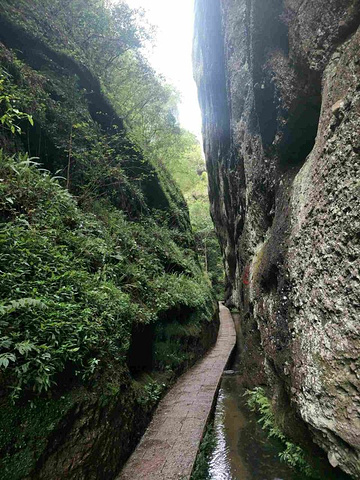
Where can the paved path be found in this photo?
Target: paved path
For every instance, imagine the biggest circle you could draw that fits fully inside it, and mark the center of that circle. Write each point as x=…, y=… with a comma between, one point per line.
x=169, y=447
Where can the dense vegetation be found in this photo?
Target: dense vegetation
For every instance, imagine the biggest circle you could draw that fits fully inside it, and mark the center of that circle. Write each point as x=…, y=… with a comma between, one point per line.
x=74, y=282
x=101, y=283
x=109, y=41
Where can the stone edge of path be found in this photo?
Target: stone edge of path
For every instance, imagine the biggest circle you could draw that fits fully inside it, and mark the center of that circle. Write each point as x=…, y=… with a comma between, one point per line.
x=168, y=449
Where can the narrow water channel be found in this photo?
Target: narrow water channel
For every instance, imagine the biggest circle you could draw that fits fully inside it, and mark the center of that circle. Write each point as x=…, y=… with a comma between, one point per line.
x=243, y=450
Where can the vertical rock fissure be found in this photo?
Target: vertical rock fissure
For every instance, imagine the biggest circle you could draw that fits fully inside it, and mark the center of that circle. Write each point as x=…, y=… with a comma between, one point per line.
x=285, y=206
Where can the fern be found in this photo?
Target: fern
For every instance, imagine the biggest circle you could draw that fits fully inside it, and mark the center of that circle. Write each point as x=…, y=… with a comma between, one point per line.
x=292, y=454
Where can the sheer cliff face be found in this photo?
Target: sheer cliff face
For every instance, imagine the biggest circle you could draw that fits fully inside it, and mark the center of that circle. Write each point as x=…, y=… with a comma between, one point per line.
x=279, y=87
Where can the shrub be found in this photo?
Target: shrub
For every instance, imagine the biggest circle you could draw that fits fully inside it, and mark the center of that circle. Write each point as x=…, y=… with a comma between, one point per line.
x=73, y=282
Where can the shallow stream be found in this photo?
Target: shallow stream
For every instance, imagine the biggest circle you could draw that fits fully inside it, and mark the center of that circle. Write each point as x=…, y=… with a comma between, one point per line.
x=243, y=451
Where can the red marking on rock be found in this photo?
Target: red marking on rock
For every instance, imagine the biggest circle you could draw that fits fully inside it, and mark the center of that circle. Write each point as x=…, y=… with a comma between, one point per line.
x=246, y=276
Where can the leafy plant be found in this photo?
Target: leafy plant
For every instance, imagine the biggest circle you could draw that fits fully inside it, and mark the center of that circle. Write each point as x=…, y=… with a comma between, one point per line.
x=292, y=454
x=10, y=115
x=149, y=393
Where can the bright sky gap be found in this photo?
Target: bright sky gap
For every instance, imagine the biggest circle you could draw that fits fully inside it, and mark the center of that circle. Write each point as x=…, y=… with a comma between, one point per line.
x=172, y=54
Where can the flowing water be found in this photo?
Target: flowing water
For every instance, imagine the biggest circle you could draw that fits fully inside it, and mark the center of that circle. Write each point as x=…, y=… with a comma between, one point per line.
x=243, y=450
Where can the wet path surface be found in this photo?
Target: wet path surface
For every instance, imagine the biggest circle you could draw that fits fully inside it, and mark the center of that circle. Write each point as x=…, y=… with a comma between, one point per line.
x=169, y=447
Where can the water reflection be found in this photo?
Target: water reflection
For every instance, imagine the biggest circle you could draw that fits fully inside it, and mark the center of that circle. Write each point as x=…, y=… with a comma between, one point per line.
x=243, y=450
x=224, y=464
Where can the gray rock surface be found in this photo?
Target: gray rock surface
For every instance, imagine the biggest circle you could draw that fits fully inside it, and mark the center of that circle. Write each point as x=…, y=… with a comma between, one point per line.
x=279, y=87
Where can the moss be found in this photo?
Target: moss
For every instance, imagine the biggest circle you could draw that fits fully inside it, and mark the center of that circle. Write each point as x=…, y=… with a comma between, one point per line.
x=25, y=431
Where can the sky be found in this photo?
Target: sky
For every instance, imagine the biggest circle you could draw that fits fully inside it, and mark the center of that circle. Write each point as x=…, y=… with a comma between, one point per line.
x=172, y=54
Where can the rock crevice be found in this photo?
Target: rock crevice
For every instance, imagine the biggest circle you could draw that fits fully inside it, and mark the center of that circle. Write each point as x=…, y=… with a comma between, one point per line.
x=279, y=87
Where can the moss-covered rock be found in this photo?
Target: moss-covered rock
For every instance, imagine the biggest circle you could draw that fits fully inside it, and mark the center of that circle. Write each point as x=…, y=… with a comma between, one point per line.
x=103, y=301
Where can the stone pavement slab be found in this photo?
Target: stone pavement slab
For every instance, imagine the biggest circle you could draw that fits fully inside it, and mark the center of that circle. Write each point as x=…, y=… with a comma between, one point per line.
x=168, y=449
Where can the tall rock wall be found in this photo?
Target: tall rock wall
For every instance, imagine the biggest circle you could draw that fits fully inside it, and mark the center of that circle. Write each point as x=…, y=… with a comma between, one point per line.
x=279, y=87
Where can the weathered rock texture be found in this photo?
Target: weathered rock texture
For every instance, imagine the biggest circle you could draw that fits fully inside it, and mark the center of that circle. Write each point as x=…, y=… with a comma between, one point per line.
x=279, y=87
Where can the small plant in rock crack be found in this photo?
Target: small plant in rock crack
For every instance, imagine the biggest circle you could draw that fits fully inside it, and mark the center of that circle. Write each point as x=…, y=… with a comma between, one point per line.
x=150, y=393
x=292, y=454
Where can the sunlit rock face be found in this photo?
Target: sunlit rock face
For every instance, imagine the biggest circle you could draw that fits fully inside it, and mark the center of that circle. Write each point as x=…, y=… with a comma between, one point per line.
x=279, y=87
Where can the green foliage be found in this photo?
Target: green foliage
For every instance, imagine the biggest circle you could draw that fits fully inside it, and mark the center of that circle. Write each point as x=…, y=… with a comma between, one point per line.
x=148, y=391
x=92, y=31
x=292, y=454
x=82, y=257
x=149, y=108
x=146, y=103
x=92, y=162
x=73, y=282
x=95, y=237
x=108, y=39
x=10, y=115
x=208, y=444
x=53, y=310
x=206, y=241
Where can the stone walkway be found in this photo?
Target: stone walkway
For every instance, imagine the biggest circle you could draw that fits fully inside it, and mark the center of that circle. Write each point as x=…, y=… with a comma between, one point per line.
x=169, y=447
